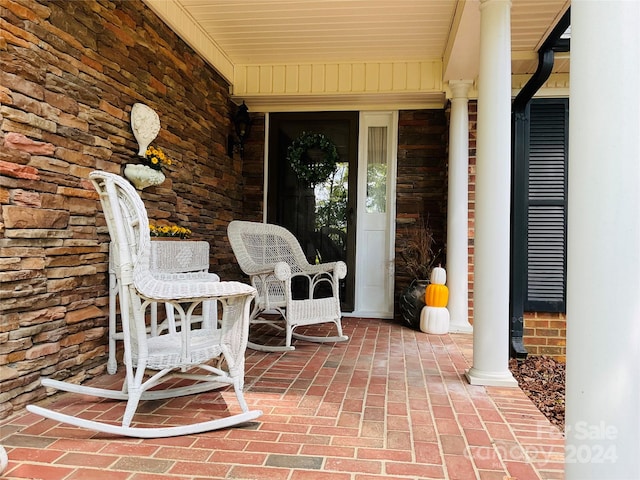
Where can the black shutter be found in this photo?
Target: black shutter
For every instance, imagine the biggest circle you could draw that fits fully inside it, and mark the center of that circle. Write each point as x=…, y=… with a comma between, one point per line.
x=547, y=206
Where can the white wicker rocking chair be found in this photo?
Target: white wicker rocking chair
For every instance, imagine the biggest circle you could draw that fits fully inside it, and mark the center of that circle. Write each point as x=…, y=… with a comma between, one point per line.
x=272, y=257
x=167, y=352
x=4, y=459
x=172, y=261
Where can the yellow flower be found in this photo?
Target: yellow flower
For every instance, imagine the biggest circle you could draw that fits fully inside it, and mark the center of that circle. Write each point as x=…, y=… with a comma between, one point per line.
x=169, y=231
x=156, y=158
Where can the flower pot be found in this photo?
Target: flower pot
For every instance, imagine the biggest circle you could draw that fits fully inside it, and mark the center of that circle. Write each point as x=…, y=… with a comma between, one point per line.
x=411, y=302
x=142, y=176
x=168, y=239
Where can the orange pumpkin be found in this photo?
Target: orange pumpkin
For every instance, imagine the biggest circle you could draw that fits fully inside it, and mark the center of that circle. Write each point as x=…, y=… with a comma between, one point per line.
x=436, y=295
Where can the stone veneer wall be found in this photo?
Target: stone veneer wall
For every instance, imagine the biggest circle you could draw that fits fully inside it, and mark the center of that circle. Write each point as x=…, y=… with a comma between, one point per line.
x=253, y=170
x=70, y=73
x=421, y=182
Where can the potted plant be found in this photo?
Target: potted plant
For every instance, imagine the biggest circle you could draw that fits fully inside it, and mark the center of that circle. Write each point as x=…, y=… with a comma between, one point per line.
x=418, y=258
x=169, y=232
x=149, y=172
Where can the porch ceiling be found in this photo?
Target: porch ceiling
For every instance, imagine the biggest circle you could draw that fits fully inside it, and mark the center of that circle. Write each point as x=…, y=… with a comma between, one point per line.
x=249, y=38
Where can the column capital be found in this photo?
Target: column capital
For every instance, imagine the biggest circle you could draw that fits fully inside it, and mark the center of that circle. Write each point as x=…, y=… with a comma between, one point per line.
x=484, y=3
x=460, y=88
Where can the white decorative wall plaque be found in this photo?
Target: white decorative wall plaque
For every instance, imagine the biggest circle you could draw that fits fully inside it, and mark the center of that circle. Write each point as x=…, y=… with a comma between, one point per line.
x=145, y=124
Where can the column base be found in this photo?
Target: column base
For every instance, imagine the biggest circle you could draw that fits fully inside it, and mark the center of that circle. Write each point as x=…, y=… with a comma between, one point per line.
x=490, y=379
x=460, y=328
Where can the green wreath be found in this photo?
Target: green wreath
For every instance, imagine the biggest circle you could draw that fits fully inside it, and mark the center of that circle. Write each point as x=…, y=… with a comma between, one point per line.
x=308, y=169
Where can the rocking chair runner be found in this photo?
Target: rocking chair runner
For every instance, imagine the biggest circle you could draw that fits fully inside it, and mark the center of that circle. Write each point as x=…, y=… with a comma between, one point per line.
x=181, y=350
x=4, y=460
x=272, y=258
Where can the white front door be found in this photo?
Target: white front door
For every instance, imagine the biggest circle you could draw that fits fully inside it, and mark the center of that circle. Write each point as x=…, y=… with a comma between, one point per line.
x=375, y=235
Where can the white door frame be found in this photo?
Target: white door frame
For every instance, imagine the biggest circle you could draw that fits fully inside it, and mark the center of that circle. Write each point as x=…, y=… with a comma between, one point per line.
x=385, y=258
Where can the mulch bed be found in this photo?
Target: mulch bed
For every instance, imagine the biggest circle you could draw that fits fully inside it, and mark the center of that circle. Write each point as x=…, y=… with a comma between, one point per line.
x=542, y=379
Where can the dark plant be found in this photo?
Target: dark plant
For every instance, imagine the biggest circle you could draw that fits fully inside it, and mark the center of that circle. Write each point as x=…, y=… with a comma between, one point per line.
x=417, y=252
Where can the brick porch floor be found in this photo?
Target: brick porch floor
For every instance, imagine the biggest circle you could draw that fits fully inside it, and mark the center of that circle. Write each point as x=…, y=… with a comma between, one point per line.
x=391, y=403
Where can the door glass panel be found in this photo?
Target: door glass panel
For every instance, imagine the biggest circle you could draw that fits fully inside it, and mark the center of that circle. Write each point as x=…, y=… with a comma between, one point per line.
x=376, y=221
x=331, y=216
x=376, y=200
x=317, y=208
x=316, y=212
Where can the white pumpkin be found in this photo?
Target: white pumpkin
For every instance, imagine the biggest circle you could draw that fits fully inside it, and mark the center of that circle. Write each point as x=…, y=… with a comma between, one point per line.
x=434, y=320
x=438, y=276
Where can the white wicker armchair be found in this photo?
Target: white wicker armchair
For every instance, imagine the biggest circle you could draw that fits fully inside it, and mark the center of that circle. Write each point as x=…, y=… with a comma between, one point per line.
x=272, y=258
x=172, y=354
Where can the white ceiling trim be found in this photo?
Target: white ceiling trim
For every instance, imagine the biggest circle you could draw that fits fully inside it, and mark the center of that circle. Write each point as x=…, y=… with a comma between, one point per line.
x=274, y=53
x=338, y=78
x=462, y=55
x=342, y=102
x=178, y=19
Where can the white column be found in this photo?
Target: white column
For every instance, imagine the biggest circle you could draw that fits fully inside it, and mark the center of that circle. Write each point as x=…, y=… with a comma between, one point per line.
x=458, y=208
x=493, y=198
x=603, y=249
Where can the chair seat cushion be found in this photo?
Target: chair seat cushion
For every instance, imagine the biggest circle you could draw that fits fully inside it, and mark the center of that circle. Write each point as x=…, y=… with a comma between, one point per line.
x=193, y=289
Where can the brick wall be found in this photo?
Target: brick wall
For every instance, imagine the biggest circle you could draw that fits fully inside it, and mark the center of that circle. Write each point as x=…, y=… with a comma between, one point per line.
x=473, y=120
x=70, y=73
x=546, y=334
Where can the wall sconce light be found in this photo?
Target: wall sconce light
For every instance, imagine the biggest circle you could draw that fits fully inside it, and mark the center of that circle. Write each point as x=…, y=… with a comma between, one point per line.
x=242, y=125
